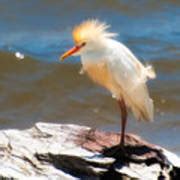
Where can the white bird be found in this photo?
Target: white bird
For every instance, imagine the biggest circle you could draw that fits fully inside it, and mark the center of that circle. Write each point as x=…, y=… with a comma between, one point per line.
x=112, y=65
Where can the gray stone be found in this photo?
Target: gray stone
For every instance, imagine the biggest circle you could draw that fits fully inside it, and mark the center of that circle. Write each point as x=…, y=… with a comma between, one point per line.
x=59, y=151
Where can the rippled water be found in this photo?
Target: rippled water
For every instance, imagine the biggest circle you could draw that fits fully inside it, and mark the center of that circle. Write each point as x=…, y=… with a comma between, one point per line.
x=40, y=88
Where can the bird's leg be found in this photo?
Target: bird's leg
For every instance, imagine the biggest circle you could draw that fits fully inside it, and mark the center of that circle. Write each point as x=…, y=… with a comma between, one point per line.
x=123, y=109
x=119, y=150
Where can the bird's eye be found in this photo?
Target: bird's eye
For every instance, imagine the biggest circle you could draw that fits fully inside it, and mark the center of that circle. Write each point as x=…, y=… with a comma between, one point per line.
x=83, y=44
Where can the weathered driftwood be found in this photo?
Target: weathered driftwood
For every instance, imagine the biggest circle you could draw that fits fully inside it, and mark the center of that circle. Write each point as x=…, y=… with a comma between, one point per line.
x=51, y=151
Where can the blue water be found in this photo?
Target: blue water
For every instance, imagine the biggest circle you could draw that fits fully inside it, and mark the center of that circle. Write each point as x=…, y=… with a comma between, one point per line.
x=40, y=88
x=42, y=29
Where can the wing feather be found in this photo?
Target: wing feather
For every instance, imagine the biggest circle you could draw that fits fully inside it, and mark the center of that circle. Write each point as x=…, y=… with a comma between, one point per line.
x=131, y=76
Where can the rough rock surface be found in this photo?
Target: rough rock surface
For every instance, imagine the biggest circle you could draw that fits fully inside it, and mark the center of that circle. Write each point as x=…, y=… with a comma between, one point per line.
x=56, y=151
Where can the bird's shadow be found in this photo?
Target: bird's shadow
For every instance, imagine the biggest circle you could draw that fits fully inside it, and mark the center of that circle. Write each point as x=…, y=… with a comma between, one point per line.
x=136, y=154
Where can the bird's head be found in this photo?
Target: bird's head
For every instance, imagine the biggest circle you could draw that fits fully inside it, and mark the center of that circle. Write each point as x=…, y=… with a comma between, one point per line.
x=88, y=36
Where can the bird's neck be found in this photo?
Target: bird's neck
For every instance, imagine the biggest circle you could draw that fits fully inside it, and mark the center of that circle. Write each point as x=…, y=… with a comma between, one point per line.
x=93, y=57
x=96, y=54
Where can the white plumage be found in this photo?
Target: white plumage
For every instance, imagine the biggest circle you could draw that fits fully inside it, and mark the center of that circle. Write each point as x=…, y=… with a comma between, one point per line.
x=131, y=76
x=128, y=76
x=113, y=66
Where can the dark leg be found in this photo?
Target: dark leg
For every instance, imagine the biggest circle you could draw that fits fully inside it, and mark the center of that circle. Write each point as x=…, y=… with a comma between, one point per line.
x=119, y=150
x=123, y=109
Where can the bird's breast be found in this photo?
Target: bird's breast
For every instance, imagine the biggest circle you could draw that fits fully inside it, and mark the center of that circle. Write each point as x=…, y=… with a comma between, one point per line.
x=99, y=73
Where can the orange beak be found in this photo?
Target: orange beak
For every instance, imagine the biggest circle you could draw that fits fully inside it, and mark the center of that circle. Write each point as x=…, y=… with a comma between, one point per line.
x=70, y=52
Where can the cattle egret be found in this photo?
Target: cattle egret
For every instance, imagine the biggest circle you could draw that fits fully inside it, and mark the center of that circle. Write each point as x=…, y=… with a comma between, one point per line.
x=112, y=65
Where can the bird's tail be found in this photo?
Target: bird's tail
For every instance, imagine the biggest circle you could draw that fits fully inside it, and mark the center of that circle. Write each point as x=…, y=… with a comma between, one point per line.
x=141, y=104
x=150, y=73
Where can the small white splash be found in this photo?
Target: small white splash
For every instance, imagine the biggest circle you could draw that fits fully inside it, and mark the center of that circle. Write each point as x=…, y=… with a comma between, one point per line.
x=114, y=96
x=19, y=55
x=81, y=72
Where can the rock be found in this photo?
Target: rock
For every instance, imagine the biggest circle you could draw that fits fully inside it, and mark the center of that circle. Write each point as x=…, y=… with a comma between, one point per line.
x=58, y=151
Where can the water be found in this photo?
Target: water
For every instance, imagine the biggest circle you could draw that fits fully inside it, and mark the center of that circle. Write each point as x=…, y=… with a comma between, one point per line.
x=40, y=88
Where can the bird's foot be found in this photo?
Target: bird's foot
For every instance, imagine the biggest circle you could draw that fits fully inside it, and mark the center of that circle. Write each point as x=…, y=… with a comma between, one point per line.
x=115, y=151
x=120, y=152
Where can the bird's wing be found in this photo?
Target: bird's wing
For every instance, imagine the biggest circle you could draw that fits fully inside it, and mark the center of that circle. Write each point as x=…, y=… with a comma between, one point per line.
x=131, y=76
